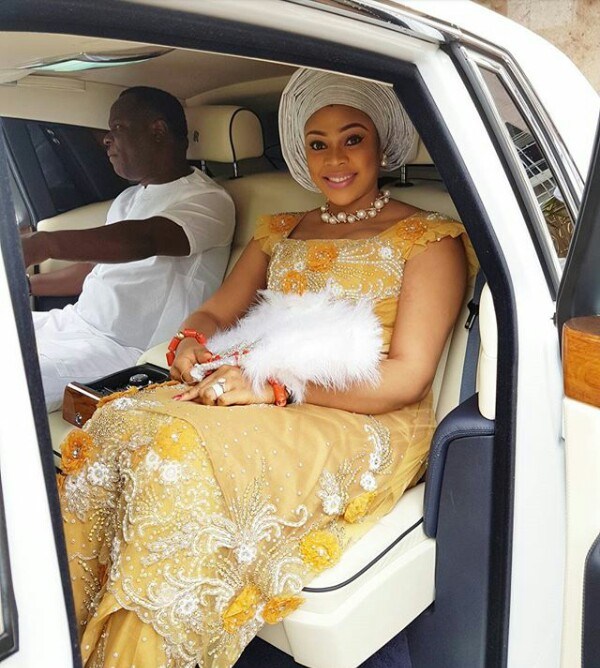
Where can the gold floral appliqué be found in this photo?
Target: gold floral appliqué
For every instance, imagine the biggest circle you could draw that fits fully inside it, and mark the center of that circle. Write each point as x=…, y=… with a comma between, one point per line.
x=321, y=256
x=320, y=550
x=75, y=450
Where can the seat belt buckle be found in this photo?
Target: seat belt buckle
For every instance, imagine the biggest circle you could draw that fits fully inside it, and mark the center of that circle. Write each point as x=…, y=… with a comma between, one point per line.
x=473, y=313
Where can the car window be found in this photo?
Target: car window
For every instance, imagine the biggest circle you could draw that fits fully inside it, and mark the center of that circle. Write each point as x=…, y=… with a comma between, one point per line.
x=60, y=184
x=543, y=182
x=58, y=167
x=549, y=195
x=21, y=213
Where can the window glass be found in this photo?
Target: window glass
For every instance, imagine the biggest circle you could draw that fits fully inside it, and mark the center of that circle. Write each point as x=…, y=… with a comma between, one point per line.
x=542, y=180
x=21, y=214
x=63, y=191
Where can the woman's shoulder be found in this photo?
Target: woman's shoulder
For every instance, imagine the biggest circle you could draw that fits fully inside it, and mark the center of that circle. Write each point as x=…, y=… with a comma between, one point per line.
x=423, y=223
x=272, y=227
x=277, y=223
x=415, y=232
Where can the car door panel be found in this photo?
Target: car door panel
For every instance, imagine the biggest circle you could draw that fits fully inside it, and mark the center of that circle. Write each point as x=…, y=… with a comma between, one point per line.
x=33, y=525
x=577, y=306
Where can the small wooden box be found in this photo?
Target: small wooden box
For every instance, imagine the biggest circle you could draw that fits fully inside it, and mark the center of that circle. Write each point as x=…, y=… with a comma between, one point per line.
x=79, y=403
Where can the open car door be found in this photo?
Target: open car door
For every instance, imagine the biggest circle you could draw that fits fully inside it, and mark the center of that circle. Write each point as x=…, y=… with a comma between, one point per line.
x=36, y=620
x=578, y=315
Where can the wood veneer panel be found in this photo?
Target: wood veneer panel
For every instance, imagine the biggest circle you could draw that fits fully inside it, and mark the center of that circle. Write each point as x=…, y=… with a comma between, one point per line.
x=79, y=403
x=581, y=359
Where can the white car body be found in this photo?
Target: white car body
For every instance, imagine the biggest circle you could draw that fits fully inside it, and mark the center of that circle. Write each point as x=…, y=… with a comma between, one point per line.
x=538, y=634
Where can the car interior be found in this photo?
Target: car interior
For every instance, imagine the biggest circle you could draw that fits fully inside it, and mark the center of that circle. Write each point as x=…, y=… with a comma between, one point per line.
x=406, y=573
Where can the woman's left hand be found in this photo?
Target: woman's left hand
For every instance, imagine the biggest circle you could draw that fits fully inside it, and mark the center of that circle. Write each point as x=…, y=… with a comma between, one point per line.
x=236, y=390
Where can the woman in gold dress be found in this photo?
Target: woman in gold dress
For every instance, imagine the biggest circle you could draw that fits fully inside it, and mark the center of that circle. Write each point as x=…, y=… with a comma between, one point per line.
x=195, y=512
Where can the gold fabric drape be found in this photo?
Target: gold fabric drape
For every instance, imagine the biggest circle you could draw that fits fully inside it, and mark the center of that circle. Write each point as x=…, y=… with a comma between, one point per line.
x=188, y=527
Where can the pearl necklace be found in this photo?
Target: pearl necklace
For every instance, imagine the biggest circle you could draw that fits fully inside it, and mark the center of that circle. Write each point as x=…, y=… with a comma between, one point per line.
x=362, y=214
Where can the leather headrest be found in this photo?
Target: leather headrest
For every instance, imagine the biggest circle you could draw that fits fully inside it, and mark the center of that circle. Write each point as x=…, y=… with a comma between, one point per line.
x=223, y=133
x=418, y=155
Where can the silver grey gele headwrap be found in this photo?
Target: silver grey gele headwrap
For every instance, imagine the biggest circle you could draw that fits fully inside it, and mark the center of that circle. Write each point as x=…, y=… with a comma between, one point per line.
x=309, y=90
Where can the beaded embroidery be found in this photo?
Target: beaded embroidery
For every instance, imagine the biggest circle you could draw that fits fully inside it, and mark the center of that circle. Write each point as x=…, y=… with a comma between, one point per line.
x=334, y=489
x=357, y=267
x=153, y=513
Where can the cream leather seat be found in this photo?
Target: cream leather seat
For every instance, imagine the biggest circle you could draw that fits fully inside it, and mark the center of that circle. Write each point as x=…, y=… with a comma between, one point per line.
x=82, y=218
x=91, y=215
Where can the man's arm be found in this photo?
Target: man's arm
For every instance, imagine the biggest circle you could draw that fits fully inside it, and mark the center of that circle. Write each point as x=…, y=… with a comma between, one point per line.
x=124, y=241
x=62, y=282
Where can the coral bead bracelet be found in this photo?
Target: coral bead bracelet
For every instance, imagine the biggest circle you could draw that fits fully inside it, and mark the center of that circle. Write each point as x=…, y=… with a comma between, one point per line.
x=178, y=338
x=280, y=393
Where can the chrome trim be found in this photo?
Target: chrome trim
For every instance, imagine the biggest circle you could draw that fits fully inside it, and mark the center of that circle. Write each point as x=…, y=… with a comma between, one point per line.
x=392, y=10
x=413, y=22
x=371, y=13
x=519, y=172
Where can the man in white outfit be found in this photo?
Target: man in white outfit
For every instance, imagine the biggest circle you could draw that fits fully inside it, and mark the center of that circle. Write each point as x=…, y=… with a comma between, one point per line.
x=162, y=252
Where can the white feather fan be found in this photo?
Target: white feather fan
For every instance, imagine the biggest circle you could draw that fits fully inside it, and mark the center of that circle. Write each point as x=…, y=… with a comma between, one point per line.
x=297, y=339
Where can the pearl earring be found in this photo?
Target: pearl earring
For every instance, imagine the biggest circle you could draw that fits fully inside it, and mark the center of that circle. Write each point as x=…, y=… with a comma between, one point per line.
x=384, y=161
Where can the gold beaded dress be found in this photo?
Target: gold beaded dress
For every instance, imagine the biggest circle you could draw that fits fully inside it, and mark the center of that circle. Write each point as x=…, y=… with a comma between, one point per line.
x=188, y=527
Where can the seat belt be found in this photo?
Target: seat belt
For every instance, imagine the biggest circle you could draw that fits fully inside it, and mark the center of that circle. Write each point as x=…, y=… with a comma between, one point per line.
x=469, y=373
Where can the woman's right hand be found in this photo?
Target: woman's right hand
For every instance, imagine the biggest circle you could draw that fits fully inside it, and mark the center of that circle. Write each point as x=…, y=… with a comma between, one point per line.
x=222, y=310
x=189, y=352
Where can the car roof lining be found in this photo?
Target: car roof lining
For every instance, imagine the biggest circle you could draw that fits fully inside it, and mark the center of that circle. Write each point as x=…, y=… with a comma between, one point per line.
x=199, y=71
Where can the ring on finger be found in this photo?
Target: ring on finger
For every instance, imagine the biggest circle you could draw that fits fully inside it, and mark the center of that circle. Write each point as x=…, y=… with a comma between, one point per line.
x=222, y=382
x=217, y=388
